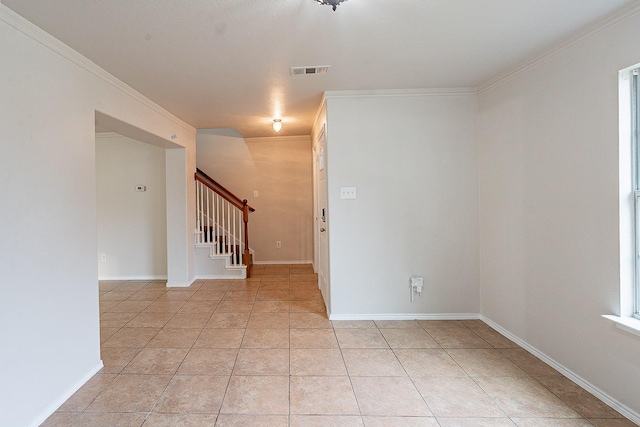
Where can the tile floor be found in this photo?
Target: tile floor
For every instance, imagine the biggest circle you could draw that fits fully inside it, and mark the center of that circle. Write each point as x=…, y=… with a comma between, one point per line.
x=261, y=352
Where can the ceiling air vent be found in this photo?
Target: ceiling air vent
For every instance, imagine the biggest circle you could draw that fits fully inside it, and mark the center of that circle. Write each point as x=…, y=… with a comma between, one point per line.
x=314, y=69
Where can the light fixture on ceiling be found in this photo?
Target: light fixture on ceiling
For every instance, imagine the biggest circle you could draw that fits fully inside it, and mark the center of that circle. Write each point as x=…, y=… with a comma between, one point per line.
x=332, y=3
x=277, y=125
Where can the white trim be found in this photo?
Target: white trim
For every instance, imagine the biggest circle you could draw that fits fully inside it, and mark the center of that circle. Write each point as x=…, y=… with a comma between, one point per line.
x=53, y=407
x=627, y=324
x=615, y=404
x=581, y=35
x=410, y=316
x=161, y=277
x=283, y=262
x=294, y=138
x=47, y=40
x=181, y=284
x=400, y=92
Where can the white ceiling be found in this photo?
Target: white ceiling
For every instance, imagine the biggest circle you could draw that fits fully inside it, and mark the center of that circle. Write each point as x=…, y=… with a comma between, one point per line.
x=225, y=63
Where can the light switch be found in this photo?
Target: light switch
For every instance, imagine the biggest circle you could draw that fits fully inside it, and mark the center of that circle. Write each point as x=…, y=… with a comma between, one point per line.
x=347, y=192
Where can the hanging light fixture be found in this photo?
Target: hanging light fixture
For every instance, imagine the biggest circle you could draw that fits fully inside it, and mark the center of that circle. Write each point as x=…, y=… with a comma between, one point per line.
x=332, y=3
x=277, y=125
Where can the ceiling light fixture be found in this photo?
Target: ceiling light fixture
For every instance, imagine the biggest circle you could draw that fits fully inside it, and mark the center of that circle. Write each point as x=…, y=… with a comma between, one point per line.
x=332, y=3
x=277, y=125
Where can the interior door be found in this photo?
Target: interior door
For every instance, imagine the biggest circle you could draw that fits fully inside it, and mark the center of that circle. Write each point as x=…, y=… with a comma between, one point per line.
x=322, y=221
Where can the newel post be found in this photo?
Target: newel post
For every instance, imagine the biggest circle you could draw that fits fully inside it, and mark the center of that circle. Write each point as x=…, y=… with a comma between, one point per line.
x=246, y=256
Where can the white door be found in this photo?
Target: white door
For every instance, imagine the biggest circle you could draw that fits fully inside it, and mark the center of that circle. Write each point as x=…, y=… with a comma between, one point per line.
x=322, y=221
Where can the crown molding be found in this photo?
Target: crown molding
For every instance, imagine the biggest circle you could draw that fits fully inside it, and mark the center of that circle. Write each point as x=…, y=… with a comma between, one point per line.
x=399, y=92
x=288, y=138
x=34, y=32
x=578, y=37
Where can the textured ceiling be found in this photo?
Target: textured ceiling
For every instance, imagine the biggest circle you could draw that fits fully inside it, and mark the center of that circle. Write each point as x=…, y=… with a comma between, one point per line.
x=225, y=63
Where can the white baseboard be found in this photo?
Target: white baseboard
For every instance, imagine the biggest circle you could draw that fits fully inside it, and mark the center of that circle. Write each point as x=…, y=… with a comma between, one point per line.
x=410, y=316
x=53, y=407
x=143, y=277
x=283, y=262
x=621, y=408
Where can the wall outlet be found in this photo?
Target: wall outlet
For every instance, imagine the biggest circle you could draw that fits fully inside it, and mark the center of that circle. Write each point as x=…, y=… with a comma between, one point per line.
x=103, y=257
x=278, y=244
x=255, y=193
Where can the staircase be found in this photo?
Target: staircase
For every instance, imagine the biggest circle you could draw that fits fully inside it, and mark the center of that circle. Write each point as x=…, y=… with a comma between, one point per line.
x=222, y=228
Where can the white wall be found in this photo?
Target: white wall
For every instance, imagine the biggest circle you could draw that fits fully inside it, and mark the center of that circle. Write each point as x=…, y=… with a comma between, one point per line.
x=548, y=176
x=412, y=157
x=49, y=322
x=132, y=226
x=280, y=169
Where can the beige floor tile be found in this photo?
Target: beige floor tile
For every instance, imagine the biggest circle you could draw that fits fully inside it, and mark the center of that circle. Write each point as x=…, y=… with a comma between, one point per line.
x=219, y=338
x=174, y=338
x=309, y=320
x=105, y=306
x=130, y=393
x=372, y=362
x=82, y=398
x=108, y=285
x=262, y=361
x=529, y=363
x=108, y=420
x=496, y=339
x=257, y=395
x=106, y=333
x=156, y=361
x=275, y=286
x=116, y=320
x=62, y=419
x=393, y=396
x=353, y=324
x=115, y=359
x=131, y=337
x=276, y=269
x=245, y=295
x=268, y=277
x=216, y=285
x=150, y=320
x=408, y=338
x=524, y=397
x=130, y=306
x=228, y=320
x=252, y=421
x=208, y=295
x=234, y=307
x=198, y=307
x=551, y=422
x=400, y=422
x=192, y=394
x=272, y=295
x=312, y=338
x=244, y=285
x=439, y=324
x=271, y=307
x=116, y=295
x=458, y=338
x=396, y=324
x=485, y=363
x=147, y=295
x=456, y=397
x=305, y=295
x=308, y=307
x=188, y=320
x=360, y=338
x=133, y=285
x=209, y=361
x=323, y=395
x=304, y=277
x=181, y=420
x=178, y=294
x=578, y=398
x=326, y=421
x=428, y=363
x=165, y=306
x=317, y=362
x=475, y=422
x=266, y=338
x=268, y=320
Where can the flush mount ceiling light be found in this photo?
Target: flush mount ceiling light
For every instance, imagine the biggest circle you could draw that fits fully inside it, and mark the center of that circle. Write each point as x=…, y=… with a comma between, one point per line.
x=277, y=125
x=332, y=3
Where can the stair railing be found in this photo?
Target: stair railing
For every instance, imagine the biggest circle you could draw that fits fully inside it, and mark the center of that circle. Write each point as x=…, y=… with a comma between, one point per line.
x=222, y=220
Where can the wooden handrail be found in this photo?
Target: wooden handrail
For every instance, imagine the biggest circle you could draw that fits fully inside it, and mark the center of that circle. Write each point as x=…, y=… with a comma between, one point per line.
x=228, y=196
x=219, y=188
